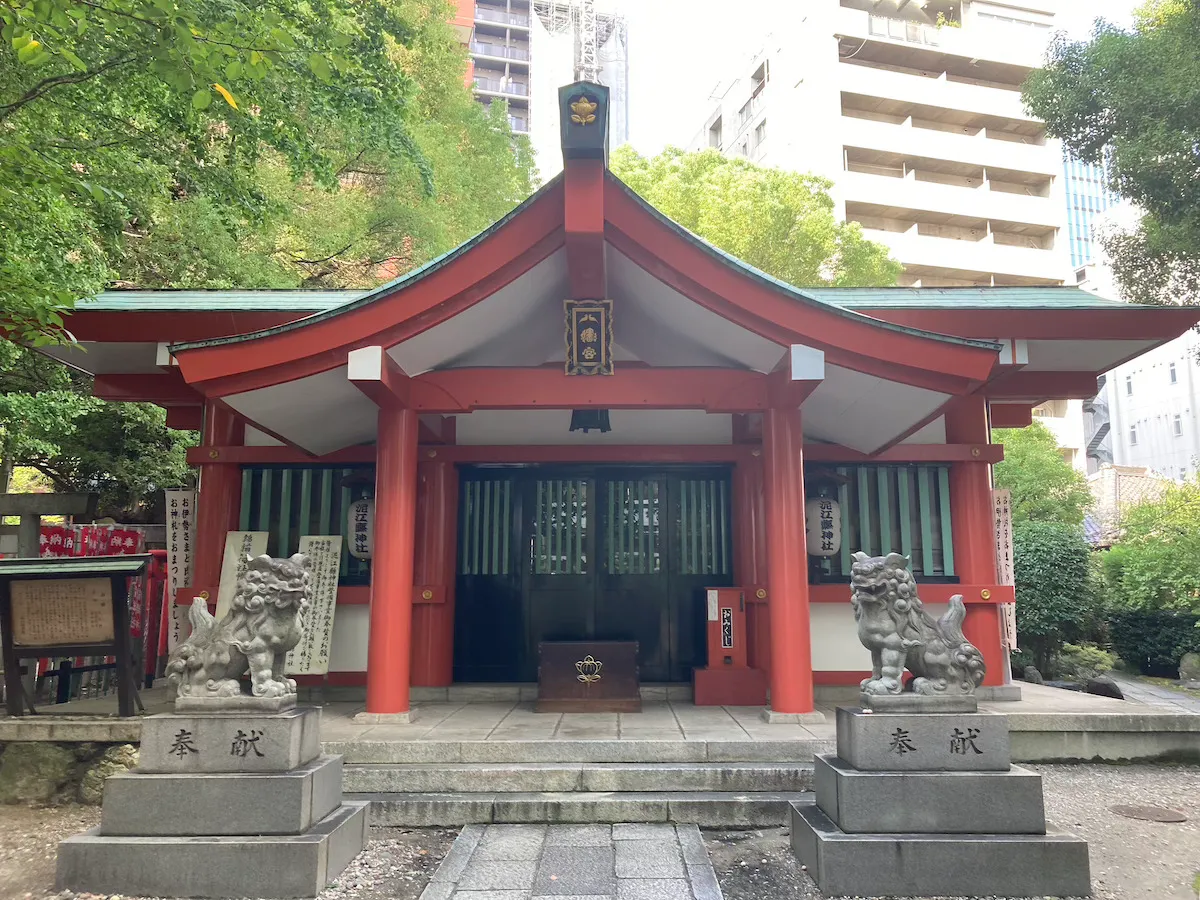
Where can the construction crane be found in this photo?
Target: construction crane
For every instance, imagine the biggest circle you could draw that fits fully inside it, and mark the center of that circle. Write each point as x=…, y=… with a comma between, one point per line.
x=591, y=30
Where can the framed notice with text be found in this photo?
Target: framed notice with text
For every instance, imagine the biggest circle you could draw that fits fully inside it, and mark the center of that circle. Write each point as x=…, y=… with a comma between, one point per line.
x=68, y=607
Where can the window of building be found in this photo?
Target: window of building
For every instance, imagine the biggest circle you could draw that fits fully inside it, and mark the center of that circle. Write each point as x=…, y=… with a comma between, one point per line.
x=760, y=133
x=1177, y=425
x=714, y=134
x=759, y=79
x=1171, y=373
x=1133, y=435
x=1128, y=385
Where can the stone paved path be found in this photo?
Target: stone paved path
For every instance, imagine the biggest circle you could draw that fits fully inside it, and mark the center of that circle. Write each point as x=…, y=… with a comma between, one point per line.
x=576, y=862
x=1153, y=695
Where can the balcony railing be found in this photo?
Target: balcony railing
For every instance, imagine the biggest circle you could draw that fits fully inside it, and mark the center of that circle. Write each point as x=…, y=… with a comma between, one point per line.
x=903, y=30
x=502, y=16
x=498, y=86
x=499, y=50
x=520, y=126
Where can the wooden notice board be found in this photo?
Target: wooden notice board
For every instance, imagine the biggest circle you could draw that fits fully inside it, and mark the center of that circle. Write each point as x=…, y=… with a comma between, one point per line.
x=67, y=607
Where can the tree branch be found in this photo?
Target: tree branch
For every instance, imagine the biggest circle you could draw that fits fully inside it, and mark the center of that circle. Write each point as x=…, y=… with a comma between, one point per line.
x=47, y=85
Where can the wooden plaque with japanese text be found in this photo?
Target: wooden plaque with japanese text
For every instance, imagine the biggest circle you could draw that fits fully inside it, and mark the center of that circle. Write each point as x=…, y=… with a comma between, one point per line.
x=51, y=612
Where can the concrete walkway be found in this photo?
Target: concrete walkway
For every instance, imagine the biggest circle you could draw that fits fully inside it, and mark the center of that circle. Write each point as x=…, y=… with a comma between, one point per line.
x=1153, y=695
x=576, y=862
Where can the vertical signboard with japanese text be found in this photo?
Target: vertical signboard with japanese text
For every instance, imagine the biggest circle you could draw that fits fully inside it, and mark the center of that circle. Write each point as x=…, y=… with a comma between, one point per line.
x=1005, y=574
x=311, y=655
x=181, y=520
x=240, y=546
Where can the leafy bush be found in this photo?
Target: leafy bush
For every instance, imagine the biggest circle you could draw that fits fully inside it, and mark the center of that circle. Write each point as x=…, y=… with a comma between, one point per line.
x=1157, y=563
x=1056, y=596
x=1081, y=662
x=1154, y=640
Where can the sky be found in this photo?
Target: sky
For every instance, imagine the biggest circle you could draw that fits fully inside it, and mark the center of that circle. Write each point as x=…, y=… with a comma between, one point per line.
x=680, y=49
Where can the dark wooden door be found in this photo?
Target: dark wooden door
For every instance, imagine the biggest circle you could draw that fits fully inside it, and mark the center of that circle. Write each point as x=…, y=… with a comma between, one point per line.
x=595, y=553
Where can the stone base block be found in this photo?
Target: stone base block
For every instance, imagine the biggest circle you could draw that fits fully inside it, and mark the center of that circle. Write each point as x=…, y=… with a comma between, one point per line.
x=397, y=718
x=916, y=742
x=938, y=865
x=221, y=804
x=920, y=703
x=230, y=742
x=929, y=803
x=240, y=703
x=772, y=717
x=266, y=867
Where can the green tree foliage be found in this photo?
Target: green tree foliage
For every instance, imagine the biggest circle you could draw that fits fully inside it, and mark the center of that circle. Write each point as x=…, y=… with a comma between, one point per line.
x=1157, y=563
x=1154, y=640
x=1129, y=97
x=122, y=451
x=778, y=221
x=181, y=143
x=1045, y=488
x=1055, y=592
x=117, y=115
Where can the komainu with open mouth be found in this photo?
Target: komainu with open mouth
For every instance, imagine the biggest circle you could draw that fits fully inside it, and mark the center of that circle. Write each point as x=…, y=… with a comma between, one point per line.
x=894, y=626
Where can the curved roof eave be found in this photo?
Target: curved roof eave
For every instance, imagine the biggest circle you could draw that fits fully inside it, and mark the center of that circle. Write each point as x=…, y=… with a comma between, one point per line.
x=407, y=279
x=789, y=290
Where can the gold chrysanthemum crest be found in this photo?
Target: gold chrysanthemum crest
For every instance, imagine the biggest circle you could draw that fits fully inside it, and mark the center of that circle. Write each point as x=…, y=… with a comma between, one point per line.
x=583, y=110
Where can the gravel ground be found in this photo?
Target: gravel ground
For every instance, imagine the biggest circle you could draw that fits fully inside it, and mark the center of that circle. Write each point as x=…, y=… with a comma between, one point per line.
x=1130, y=859
x=396, y=865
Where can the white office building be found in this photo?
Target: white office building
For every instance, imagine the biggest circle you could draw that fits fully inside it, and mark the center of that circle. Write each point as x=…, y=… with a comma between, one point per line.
x=522, y=51
x=913, y=110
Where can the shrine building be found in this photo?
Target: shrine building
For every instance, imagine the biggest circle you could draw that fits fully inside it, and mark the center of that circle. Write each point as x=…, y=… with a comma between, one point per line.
x=584, y=420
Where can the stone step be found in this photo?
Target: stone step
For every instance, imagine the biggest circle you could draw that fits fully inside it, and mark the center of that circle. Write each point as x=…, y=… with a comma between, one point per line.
x=363, y=751
x=714, y=809
x=561, y=777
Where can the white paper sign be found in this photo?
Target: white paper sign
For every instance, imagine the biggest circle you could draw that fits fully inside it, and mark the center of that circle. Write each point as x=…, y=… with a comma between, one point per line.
x=360, y=526
x=311, y=655
x=238, y=546
x=712, y=606
x=181, y=519
x=1002, y=520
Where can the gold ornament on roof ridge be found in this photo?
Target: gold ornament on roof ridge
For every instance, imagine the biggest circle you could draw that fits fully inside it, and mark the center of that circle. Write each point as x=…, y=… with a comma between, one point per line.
x=583, y=110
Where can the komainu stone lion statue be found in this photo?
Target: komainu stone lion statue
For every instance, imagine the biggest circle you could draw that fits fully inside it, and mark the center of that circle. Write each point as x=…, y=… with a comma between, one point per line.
x=893, y=625
x=264, y=622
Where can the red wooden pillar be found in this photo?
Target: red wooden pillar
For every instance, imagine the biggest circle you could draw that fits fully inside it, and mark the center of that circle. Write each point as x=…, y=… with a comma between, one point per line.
x=389, y=645
x=974, y=536
x=219, y=499
x=750, y=556
x=434, y=566
x=787, y=572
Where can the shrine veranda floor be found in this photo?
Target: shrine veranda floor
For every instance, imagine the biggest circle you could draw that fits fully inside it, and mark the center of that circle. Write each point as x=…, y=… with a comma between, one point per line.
x=1047, y=724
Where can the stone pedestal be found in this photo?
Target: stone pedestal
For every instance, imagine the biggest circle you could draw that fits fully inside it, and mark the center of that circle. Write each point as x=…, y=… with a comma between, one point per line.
x=928, y=804
x=221, y=805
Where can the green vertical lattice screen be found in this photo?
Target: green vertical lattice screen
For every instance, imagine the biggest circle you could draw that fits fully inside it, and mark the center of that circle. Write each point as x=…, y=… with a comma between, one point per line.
x=705, y=544
x=485, y=532
x=896, y=509
x=288, y=502
x=633, y=527
x=560, y=527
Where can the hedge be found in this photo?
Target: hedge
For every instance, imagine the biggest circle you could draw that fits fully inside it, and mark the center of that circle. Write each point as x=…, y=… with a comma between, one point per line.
x=1154, y=640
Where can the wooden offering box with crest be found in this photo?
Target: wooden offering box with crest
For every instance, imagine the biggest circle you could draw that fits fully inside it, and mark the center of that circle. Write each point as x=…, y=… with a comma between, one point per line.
x=588, y=676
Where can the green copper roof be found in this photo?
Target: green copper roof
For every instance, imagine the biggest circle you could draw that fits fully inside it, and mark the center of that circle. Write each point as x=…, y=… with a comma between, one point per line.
x=207, y=301
x=77, y=566
x=844, y=298
x=1047, y=297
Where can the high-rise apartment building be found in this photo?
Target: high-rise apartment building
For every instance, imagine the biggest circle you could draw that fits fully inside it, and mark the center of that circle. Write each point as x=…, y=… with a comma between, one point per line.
x=522, y=51
x=914, y=111
x=1087, y=198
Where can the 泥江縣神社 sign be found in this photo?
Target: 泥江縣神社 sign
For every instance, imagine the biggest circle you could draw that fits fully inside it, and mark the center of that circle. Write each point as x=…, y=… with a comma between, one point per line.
x=822, y=526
